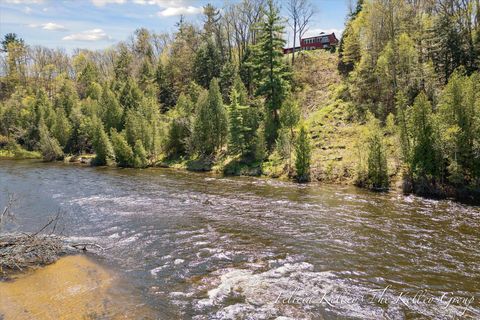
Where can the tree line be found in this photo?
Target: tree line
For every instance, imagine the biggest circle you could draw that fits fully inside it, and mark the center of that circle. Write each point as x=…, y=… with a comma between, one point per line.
x=416, y=64
x=410, y=70
x=200, y=93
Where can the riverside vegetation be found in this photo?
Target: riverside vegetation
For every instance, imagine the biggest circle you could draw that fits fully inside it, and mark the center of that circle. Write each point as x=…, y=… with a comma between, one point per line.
x=399, y=102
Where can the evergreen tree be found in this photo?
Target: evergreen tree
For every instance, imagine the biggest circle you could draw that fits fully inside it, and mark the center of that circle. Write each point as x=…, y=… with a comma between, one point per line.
x=210, y=125
x=123, y=61
x=147, y=75
x=377, y=159
x=49, y=146
x=236, y=142
x=228, y=76
x=179, y=128
x=425, y=158
x=303, y=155
x=140, y=155
x=131, y=96
x=67, y=98
x=458, y=122
x=101, y=145
x=207, y=63
x=123, y=152
x=111, y=110
x=163, y=77
x=62, y=128
x=259, y=145
x=271, y=73
x=94, y=91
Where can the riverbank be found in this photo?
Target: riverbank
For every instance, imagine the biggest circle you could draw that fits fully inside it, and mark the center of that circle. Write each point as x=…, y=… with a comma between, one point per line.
x=74, y=287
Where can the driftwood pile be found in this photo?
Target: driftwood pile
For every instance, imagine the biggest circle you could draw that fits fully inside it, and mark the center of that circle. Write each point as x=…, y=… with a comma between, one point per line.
x=20, y=252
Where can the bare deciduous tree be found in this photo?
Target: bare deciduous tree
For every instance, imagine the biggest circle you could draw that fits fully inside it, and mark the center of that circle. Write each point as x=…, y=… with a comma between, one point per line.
x=299, y=13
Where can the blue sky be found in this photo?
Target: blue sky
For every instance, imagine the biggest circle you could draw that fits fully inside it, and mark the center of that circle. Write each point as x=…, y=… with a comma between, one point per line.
x=97, y=24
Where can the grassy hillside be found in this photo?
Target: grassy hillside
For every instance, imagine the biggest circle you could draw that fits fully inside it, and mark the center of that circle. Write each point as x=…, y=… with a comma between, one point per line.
x=339, y=150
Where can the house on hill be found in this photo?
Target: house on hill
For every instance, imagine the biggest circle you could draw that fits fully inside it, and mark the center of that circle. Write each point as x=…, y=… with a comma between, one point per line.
x=322, y=41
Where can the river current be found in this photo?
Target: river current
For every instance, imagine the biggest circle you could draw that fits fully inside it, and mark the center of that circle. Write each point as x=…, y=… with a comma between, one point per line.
x=208, y=247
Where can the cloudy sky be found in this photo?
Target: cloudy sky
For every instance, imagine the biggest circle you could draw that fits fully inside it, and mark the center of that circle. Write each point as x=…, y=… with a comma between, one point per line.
x=97, y=24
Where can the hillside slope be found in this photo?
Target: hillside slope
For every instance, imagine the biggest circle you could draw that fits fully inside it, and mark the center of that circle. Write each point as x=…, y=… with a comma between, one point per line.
x=339, y=146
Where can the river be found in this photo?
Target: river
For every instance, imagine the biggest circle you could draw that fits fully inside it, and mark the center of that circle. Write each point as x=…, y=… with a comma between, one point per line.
x=208, y=247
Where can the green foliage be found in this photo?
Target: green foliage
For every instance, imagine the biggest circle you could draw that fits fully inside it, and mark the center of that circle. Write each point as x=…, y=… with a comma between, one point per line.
x=179, y=130
x=123, y=152
x=377, y=160
x=210, y=124
x=139, y=155
x=207, y=64
x=61, y=129
x=131, y=96
x=94, y=91
x=271, y=73
x=163, y=78
x=67, y=98
x=289, y=118
x=49, y=146
x=259, y=144
x=111, y=110
x=236, y=129
x=459, y=124
x=101, y=145
x=228, y=76
x=303, y=155
x=425, y=160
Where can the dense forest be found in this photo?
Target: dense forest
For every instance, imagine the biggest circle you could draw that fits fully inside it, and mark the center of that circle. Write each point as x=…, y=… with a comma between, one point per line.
x=224, y=94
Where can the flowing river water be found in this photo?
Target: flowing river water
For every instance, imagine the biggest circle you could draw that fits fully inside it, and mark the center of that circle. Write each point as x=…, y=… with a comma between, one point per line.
x=207, y=247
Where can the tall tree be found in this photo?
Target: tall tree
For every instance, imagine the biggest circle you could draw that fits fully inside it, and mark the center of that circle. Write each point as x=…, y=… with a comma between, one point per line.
x=236, y=141
x=272, y=75
x=303, y=155
x=210, y=124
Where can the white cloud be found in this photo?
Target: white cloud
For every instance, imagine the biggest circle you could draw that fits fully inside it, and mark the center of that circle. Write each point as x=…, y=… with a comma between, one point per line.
x=176, y=11
x=101, y=3
x=48, y=26
x=53, y=26
x=88, y=35
x=27, y=10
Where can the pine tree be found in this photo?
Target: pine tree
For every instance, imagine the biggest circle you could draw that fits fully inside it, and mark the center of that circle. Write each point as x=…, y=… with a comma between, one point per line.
x=228, y=76
x=147, y=75
x=210, y=125
x=271, y=73
x=425, y=158
x=458, y=124
x=101, y=145
x=123, y=152
x=111, y=110
x=377, y=159
x=49, y=146
x=62, y=128
x=179, y=128
x=123, y=61
x=163, y=78
x=139, y=155
x=207, y=64
x=303, y=155
x=236, y=142
x=67, y=98
x=131, y=96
